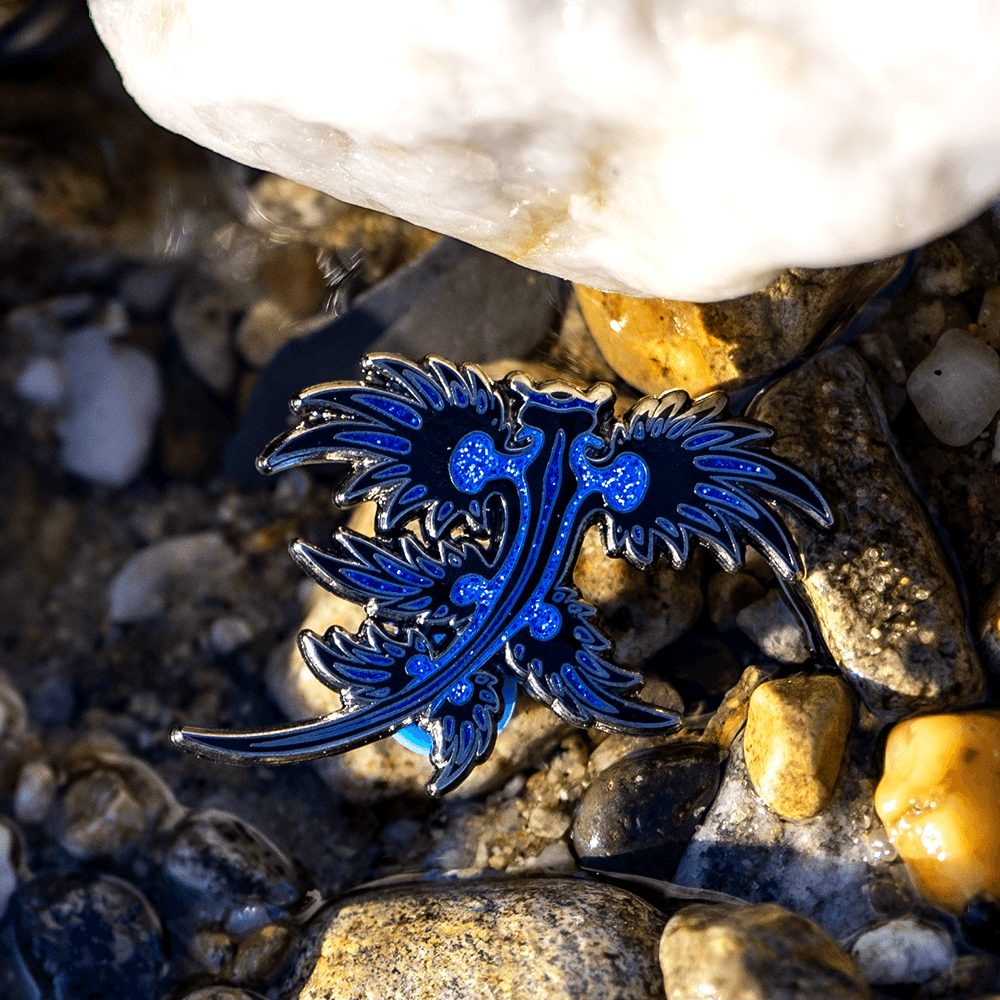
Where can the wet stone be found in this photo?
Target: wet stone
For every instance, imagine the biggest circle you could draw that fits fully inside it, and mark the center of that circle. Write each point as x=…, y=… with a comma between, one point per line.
x=89, y=936
x=968, y=977
x=111, y=800
x=660, y=344
x=259, y=954
x=35, y=792
x=188, y=565
x=870, y=579
x=220, y=870
x=521, y=939
x=12, y=861
x=903, y=951
x=203, y=315
x=774, y=628
x=938, y=799
x=731, y=952
x=795, y=741
x=13, y=712
x=639, y=814
x=729, y=718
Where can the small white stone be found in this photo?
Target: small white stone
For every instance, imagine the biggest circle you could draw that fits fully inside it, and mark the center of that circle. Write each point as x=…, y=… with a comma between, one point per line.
x=35, y=792
x=8, y=876
x=229, y=633
x=139, y=590
x=772, y=625
x=42, y=382
x=686, y=150
x=956, y=388
x=905, y=950
x=114, y=400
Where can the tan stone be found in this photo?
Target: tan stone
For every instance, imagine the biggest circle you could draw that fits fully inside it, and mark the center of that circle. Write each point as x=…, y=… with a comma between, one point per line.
x=259, y=954
x=641, y=611
x=511, y=938
x=794, y=743
x=660, y=344
x=729, y=717
x=112, y=799
x=379, y=243
x=764, y=952
x=939, y=799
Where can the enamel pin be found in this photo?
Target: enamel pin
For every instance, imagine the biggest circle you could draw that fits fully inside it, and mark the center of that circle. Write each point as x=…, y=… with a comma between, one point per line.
x=483, y=493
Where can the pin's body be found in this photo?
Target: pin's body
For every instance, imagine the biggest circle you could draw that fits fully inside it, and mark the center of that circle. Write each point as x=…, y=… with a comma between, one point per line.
x=484, y=491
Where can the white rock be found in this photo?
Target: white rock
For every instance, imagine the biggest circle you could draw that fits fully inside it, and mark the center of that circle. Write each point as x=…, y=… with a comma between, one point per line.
x=8, y=875
x=904, y=950
x=229, y=633
x=42, y=382
x=956, y=388
x=114, y=399
x=772, y=625
x=683, y=150
x=35, y=792
x=194, y=564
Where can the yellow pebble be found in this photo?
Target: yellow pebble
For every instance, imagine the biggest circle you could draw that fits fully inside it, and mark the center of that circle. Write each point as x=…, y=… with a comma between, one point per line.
x=657, y=344
x=795, y=740
x=939, y=800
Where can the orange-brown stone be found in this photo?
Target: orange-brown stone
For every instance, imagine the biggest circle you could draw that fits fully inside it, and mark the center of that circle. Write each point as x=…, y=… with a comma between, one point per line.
x=939, y=799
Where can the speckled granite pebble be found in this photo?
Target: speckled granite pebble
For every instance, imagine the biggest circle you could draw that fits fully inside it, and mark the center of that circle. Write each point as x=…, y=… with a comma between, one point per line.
x=879, y=582
x=557, y=938
x=638, y=815
x=794, y=743
x=89, y=936
x=729, y=952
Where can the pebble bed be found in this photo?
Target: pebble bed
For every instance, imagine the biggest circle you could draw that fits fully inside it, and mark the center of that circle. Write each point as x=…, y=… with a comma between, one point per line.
x=776, y=847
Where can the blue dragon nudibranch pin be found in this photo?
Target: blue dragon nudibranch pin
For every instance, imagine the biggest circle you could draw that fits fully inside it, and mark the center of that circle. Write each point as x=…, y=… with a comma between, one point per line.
x=483, y=493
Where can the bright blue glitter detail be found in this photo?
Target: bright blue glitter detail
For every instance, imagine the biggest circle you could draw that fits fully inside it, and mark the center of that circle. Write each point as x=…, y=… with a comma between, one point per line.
x=399, y=412
x=376, y=441
x=707, y=492
x=376, y=584
x=719, y=463
x=696, y=515
x=413, y=494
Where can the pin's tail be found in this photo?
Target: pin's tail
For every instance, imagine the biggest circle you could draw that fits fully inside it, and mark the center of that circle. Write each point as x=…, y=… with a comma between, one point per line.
x=283, y=744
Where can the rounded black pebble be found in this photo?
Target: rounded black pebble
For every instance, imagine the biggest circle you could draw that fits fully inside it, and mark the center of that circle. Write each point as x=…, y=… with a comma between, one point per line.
x=638, y=815
x=89, y=937
x=981, y=922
